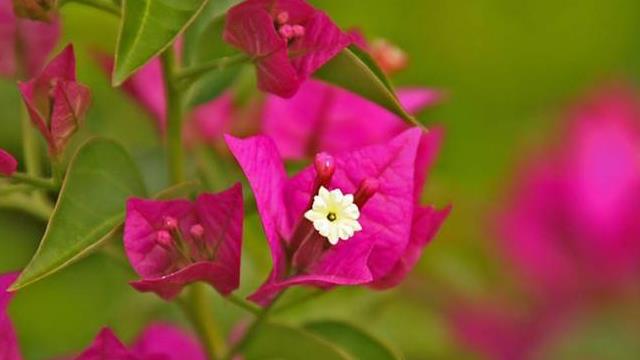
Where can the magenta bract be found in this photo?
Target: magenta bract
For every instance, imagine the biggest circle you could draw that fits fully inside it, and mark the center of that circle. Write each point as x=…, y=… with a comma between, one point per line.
x=287, y=39
x=8, y=164
x=56, y=102
x=24, y=44
x=335, y=120
x=384, y=179
x=159, y=341
x=177, y=242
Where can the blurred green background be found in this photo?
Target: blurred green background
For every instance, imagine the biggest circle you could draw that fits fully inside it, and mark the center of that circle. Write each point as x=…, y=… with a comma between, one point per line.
x=509, y=68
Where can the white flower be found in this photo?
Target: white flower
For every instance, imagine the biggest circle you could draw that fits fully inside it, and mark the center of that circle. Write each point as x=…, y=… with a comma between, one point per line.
x=334, y=215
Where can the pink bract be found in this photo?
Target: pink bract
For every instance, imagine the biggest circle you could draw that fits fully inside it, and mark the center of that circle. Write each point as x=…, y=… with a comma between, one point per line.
x=159, y=341
x=8, y=164
x=35, y=39
x=382, y=253
x=287, y=39
x=335, y=120
x=177, y=242
x=56, y=102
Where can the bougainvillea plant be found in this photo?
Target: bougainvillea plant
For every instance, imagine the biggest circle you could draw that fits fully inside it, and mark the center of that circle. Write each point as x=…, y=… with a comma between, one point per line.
x=353, y=216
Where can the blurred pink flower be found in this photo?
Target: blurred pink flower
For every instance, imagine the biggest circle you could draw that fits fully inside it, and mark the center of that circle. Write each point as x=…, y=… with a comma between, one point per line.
x=570, y=229
x=321, y=117
x=572, y=224
x=503, y=333
x=384, y=234
x=56, y=102
x=24, y=44
x=287, y=39
x=9, y=349
x=159, y=341
x=173, y=243
x=8, y=164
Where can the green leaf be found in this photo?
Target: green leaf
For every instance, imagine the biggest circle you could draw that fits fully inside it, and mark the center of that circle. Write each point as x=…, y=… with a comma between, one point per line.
x=212, y=13
x=359, y=344
x=275, y=341
x=202, y=43
x=149, y=27
x=91, y=204
x=355, y=70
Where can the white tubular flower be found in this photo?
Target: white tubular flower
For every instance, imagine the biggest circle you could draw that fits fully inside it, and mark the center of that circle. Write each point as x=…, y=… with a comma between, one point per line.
x=334, y=215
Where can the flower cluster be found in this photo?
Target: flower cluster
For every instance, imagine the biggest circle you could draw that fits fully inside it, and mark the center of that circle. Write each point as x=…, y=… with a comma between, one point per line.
x=353, y=217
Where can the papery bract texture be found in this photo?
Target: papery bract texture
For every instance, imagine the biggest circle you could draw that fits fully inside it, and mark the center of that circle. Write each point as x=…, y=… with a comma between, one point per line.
x=173, y=243
x=8, y=164
x=387, y=172
x=24, y=44
x=335, y=120
x=287, y=39
x=571, y=226
x=9, y=349
x=56, y=102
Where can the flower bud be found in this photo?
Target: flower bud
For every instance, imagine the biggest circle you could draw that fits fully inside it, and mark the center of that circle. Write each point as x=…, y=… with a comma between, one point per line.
x=298, y=30
x=163, y=237
x=325, y=166
x=368, y=187
x=282, y=18
x=197, y=231
x=169, y=223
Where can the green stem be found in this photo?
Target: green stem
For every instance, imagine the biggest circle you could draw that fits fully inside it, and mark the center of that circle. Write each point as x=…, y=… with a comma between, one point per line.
x=216, y=64
x=96, y=4
x=26, y=204
x=174, y=119
x=300, y=301
x=198, y=310
x=10, y=189
x=234, y=299
x=253, y=329
x=42, y=183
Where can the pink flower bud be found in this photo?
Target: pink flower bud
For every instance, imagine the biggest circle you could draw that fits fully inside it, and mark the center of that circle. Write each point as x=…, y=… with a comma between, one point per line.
x=298, y=30
x=368, y=187
x=325, y=166
x=169, y=223
x=197, y=231
x=286, y=31
x=163, y=237
x=282, y=18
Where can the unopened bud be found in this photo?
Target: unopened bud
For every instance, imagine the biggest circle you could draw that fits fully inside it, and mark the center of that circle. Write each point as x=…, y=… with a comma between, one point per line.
x=282, y=18
x=169, y=223
x=197, y=231
x=390, y=57
x=298, y=30
x=286, y=31
x=163, y=237
x=325, y=166
x=368, y=187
